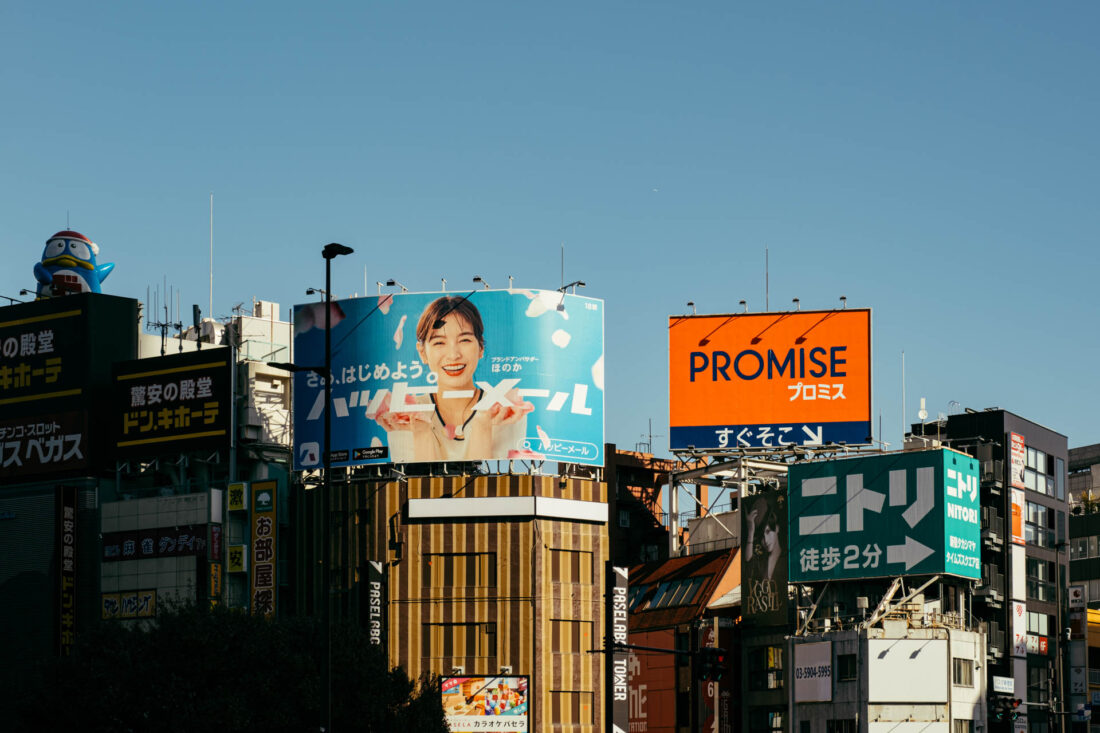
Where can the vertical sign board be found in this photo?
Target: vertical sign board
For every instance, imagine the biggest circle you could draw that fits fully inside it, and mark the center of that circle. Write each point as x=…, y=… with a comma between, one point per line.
x=769, y=379
x=377, y=610
x=914, y=513
x=1018, y=517
x=1017, y=460
x=618, y=687
x=517, y=373
x=764, y=558
x=263, y=547
x=66, y=552
x=813, y=672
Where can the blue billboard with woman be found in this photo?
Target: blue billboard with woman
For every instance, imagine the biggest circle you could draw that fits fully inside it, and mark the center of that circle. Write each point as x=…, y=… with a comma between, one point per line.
x=445, y=377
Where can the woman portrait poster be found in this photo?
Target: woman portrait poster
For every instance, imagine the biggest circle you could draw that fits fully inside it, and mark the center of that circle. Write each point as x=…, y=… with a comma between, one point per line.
x=764, y=557
x=487, y=375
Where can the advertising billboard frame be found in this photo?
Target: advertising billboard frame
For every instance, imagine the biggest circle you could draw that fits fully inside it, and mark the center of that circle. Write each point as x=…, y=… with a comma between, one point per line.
x=452, y=377
x=773, y=380
x=910, y=513
x=466, y=707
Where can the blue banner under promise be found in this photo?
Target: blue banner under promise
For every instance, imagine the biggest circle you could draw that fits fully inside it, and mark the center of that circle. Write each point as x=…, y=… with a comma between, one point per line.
x=443, y=377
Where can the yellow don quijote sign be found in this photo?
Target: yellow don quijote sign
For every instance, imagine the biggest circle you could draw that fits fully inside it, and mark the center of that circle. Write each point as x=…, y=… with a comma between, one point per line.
x=770, y=380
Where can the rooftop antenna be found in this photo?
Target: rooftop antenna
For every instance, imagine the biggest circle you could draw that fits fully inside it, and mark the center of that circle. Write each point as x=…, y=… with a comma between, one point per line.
x=767, y=306
x=210, y=305
x=903, y=419
x=164, y=305
x=66, y=218
x=563, y=266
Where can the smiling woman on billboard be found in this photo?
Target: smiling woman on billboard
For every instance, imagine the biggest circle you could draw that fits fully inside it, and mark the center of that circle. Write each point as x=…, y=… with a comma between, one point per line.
x=450, y=339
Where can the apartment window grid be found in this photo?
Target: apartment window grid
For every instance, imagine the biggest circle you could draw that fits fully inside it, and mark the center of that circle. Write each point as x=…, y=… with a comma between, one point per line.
x=1045, y=474
x=1039, y=525
x=962, y=672
x=1040, y=580
x=1039, y=623
x=768, y=721
x=766, y=668
x=840, y=725
x=460, y=569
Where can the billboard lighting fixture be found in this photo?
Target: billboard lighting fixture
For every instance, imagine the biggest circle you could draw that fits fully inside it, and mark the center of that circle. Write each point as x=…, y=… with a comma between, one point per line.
x=478, y=279
x=691, y=304
x=391, y=282
x=843, y=301
x=797, y=307
x=312, y=291
x=575, y=284
x=744, y=304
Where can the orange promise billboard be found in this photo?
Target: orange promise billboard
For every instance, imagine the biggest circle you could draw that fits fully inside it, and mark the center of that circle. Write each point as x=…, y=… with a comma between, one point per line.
x=769, y=380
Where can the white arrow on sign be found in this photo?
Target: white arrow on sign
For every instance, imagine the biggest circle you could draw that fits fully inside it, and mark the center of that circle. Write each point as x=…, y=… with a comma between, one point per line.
x=911, y=553
x=812, y=437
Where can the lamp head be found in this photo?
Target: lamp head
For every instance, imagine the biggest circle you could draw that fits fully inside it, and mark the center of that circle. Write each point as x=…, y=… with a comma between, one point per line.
x=335, y=249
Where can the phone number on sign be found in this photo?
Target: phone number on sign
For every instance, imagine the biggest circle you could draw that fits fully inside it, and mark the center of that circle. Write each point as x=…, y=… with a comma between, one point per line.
x=809, y=673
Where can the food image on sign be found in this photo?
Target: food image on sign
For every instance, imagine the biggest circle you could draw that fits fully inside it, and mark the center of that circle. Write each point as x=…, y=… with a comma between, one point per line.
x=469, y=701
x=770, y=380
x=441, y=377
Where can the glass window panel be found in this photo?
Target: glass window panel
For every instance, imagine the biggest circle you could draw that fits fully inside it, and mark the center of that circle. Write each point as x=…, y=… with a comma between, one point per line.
x=1059, y=478
x=1092, y=546
x=1029, y=479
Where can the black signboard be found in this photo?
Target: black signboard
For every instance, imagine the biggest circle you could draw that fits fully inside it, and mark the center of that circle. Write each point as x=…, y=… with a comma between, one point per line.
x=618, y=657
x=142, y=544
x=55, y=370
x=66, y=550
x=39, y=444
x=377, y=617
x=173, y=403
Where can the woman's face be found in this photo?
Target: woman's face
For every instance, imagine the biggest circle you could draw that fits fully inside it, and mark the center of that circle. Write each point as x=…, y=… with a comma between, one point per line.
x=452, y=353
x=771, y=539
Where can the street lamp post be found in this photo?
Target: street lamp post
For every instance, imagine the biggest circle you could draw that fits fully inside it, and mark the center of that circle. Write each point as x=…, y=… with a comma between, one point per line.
x=330, y=252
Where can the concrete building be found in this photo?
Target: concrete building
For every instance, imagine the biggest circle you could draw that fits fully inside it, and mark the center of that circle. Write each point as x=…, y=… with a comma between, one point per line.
x=1025, y=566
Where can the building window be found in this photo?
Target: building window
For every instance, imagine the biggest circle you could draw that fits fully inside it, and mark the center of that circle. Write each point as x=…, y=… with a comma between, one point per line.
x=961, y=725
x=766, y=668
x=1038, y=623
x=767, y=721
x=1039, y=525
x=1038, y=681
x=1040, y=580
x=454, y=641
x=846, y=667
x=962, y=672
x=571, y=707
x=624, y=517
x=841, y=725
x=568, y=636
x=460, y=569
x=571, y=566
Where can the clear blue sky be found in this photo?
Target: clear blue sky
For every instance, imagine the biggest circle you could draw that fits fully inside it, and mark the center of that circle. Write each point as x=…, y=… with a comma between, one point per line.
x=937, y=162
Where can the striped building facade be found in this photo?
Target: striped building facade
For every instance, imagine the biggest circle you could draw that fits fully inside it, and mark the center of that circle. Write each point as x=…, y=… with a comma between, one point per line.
x=490, y=572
